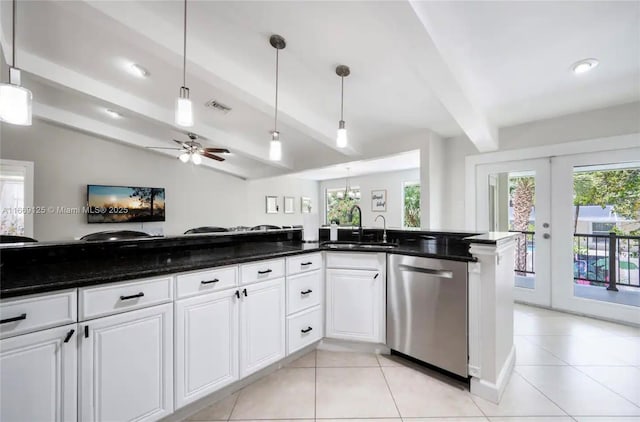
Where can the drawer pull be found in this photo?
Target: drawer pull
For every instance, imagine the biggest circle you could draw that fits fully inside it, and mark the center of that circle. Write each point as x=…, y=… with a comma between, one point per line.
x=132, y=296
x=244, y=292
x=265, y=271
x=215, y=280
x=68, y=336
x=306, y=292
x=306, y=330
x=306, y=263
x=17, y=318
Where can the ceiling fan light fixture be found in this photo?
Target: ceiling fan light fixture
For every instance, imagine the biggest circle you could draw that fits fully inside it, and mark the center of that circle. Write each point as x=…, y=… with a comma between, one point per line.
x=196, y=159
x=15, y=100
x=184, y=157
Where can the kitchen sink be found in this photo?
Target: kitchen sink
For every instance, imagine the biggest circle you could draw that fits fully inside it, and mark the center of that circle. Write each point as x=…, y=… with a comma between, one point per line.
x=359, y=245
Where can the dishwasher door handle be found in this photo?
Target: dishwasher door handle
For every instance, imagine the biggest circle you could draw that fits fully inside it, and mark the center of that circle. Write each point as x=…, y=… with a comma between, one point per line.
x=429, y=271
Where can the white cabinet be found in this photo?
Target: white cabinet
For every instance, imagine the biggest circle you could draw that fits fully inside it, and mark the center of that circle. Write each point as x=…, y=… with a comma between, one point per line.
x=126, y=366
x=206, y=352
x=262, y=325
x=355, y=304
x=38, y=376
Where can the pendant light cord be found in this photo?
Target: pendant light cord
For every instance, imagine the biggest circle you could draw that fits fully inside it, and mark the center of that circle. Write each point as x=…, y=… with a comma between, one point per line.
x=184, y=47
x=342, y=97
x=275, y=124
x=13, y=35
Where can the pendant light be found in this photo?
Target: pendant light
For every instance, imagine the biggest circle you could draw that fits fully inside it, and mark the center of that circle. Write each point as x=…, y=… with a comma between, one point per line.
x=184, y=107
x=275, y=146
x=341, y=139
x=348, y=192
x=15, y=100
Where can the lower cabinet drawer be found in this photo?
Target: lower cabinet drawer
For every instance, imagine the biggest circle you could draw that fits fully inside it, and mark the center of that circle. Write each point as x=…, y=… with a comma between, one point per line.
x=37, y=312
x=304, y=328
x=303, y=291
x=121, y=297
x=207, y=281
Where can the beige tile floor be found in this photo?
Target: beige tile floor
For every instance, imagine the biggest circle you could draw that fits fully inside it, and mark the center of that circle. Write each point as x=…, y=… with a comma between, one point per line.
x=569, y=368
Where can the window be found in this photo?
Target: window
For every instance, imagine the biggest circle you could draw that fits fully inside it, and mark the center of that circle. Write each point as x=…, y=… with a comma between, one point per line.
x=411, y=204
x=338, y=205
x=602, y=228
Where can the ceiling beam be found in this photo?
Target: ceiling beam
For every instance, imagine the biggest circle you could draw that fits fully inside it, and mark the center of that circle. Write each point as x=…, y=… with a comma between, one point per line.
x=113, y=132
x=228, y=75
x=440, y=77
x=112, y=94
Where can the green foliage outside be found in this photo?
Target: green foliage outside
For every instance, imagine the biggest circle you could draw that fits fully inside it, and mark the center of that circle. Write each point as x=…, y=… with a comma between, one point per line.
x=618, y=188
x=412, y=205
x=338, y=209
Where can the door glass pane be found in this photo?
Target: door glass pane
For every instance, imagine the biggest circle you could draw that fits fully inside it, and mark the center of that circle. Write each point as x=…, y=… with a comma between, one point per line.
x=606, y=227
x=512, y=208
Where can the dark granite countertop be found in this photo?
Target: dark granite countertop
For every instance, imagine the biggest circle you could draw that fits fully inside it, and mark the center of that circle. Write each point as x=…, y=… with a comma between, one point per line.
x=51, y=267
x=491, y=237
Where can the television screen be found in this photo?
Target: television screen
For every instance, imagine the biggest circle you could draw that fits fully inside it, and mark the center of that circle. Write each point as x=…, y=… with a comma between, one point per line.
x=124, y=204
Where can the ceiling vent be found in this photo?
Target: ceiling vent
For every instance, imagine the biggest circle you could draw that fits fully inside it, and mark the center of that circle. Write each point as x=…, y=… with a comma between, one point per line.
x=218, y=106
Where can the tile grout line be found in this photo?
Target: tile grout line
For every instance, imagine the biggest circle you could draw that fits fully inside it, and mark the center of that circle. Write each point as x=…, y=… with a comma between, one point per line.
x=543, y=394
x=604, y=385
x=386, y=381
x=235, y=402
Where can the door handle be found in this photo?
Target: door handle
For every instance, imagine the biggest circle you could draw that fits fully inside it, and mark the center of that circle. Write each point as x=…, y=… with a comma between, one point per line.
x=244, y=292
x=137, y=295
x=546, y=236
x=237, y=294
x=68, y=336
x=13, y=319
x=430, y=271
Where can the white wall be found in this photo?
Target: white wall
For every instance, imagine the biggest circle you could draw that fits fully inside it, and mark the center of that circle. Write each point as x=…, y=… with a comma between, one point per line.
x=67, y=160
x=280, y=187
x=611, y=121
x=391, y=181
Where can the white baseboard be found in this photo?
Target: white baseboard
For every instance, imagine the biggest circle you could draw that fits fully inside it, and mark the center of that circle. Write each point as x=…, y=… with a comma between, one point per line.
x=490, y=391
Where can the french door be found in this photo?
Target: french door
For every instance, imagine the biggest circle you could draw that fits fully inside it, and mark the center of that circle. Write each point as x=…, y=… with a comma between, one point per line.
x=516, y=196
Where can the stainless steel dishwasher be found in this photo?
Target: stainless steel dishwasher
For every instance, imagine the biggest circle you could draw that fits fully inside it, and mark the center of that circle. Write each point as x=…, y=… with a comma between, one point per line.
x=427, y=311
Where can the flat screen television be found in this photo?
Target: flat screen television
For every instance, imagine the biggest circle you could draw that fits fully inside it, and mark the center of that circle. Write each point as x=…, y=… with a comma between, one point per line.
x=124, y=204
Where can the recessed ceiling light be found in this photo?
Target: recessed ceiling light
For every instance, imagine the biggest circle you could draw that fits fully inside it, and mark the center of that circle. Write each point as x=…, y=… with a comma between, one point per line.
x=113, y=114
x=139, y=71
x=584, y=66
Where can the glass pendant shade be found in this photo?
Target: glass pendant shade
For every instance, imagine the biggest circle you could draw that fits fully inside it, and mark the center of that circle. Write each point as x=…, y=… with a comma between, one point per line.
x=184, y=157
x=341, y=139
x=196, y=159
x=15, y=101
x=275, y=150
x=184, y=109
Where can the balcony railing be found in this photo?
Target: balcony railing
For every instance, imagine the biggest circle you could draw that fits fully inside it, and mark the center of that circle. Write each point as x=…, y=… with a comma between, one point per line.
x=525, y=252
x=596, y=254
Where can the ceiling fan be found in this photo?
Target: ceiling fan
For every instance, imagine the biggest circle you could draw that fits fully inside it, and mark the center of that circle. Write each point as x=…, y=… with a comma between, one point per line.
x=193, y=151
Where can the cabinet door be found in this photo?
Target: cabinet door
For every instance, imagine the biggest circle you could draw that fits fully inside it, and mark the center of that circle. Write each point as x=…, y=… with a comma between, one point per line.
x=206, y=346
x=355, y=305
x=38, y=376
x=126, y=366
x=262, y=325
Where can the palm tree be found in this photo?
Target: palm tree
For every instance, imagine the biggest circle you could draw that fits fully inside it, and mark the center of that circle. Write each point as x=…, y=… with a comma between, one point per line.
x=522, y=198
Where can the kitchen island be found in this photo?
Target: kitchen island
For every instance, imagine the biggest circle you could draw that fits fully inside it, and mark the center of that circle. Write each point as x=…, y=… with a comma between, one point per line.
x=253, y=299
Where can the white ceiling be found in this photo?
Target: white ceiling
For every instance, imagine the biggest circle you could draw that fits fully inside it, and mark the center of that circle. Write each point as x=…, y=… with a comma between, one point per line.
x=450, y=67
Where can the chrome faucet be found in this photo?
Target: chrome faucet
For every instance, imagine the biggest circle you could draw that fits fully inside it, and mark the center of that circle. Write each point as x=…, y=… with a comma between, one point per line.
x=359, y=220
x=384, y=231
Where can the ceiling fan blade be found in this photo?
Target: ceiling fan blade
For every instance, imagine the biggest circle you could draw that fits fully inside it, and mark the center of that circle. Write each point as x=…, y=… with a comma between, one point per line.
x=182, y=144
x=177, y=149
x=213, y=157
x=217, y=150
